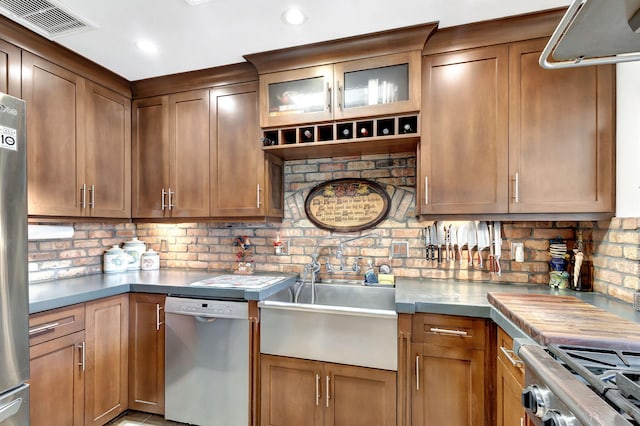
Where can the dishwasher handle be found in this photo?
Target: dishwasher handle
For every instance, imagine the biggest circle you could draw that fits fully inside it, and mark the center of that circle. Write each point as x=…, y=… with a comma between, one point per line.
x=205, y=320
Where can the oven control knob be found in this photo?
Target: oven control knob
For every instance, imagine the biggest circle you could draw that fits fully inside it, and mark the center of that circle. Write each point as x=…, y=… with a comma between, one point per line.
x=554, y=418
x=535, y=399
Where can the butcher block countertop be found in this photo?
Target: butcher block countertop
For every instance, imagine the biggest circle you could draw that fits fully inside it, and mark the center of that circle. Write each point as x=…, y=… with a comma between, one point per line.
x=568, y=320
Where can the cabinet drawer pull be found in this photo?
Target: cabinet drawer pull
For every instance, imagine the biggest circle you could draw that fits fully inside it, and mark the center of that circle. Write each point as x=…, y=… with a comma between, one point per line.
x=510, y=356
x=340, y=100
x=164, y=194
x=327, y=391
x=417, y=372
x=317, y=389
x=450, y=332
x=329, y=96
x=83, y=351
x=158, y=323
x=43, y=328
x=92, y=199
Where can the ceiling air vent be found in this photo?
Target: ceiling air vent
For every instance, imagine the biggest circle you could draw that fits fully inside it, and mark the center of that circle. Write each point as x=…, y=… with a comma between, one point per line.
x=46, y=17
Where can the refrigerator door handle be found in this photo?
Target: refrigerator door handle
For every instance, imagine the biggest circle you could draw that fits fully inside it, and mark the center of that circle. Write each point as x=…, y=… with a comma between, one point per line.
x=9, y=410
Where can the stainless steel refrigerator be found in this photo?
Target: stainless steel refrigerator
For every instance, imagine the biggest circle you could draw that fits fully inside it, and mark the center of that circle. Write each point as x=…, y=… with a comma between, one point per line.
x=14, y=299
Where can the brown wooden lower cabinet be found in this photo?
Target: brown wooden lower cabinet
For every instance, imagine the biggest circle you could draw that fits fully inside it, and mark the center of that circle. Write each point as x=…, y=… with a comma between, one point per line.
x=78, y=363
x=57, y=381
x=449, y=383
x=509, y=385
x=146, y=352
x=107, y=331
x=300, y=392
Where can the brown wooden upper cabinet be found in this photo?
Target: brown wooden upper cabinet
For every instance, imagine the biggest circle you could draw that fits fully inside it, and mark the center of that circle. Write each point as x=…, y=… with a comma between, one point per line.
x=500, y=134
x=171, y=156
x=387, y=84
x=78, y=144
x=9, y=69
x=245, y=181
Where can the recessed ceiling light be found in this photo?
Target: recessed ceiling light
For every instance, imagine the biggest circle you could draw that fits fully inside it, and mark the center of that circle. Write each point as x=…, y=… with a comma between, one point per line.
x=294, y=17
x=147, y=46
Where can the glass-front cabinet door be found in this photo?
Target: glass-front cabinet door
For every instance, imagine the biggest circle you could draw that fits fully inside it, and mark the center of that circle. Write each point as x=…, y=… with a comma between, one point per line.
x=296, y=96
x=382, y=85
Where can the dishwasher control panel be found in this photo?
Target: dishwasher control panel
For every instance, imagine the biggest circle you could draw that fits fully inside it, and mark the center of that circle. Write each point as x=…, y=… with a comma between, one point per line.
x=207, y=308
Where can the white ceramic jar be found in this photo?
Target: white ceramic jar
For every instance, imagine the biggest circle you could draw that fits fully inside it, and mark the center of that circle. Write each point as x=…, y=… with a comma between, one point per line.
x=115, y=260
x=134, y=248
x=150, y=260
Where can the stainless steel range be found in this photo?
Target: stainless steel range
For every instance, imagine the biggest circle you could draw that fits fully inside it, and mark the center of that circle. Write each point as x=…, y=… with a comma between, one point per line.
x=573, y=385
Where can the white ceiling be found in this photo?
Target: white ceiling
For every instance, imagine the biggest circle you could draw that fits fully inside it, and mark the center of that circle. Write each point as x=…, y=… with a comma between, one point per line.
x=221, y=31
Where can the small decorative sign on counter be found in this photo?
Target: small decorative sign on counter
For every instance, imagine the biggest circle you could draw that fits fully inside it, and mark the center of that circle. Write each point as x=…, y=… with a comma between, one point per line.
x=347, y=205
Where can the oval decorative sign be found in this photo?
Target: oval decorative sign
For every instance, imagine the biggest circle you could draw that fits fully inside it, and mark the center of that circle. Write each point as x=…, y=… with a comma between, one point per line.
x=347, y=205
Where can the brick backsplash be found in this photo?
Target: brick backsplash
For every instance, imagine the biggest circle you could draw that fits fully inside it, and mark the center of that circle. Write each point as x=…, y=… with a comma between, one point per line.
x=613, y=246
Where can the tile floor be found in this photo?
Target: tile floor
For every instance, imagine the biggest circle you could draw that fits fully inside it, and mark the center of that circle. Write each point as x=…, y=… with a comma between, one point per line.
x=136, y=418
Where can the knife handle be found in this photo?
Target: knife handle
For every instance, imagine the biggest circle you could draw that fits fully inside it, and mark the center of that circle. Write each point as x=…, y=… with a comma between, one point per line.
x=439, y=254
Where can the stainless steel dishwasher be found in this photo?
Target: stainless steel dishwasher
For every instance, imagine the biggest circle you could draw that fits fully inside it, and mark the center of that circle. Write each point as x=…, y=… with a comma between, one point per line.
x=207, y=362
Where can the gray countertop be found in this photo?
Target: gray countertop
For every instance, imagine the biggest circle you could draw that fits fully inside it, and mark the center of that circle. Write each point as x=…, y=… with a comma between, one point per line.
x=468, y=298
x=58, y=293
x=451, y=297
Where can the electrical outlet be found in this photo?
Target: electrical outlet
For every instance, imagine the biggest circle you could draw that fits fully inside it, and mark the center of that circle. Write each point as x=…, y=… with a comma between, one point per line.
x=399, y=249
x=517, y=252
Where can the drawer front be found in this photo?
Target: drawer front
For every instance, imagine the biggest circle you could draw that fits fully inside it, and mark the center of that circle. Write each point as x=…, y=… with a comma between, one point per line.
x=512, y=363
x=48, y=325
x=449, y=330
